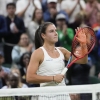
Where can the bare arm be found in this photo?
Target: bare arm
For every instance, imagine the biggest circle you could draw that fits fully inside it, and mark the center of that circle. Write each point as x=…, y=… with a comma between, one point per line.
x=67, y=55
x=32, y=77
x=21, y=13
x=69, y=12
x=83, y=5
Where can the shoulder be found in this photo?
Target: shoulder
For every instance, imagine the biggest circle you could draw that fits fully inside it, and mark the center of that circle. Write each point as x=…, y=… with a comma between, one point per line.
x=38, y=51
x=2, y=17
x=38, y=54
x=63, y=50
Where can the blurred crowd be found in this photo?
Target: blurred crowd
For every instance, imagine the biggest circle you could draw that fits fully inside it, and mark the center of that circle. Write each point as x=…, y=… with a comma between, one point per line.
x=19, y=19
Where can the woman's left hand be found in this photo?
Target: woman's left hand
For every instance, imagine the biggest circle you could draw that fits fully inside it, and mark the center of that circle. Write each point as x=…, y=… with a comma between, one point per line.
x=81, y=37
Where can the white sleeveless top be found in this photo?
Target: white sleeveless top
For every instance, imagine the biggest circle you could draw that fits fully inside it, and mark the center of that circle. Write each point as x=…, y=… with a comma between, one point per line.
x=51, y=66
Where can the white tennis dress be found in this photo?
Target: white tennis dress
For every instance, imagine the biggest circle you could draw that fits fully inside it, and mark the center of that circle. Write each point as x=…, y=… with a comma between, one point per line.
x=50, y=67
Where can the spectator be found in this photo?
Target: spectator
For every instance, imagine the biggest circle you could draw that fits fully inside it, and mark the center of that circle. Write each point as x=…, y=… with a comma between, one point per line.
x=80, y=20
x=3, y=71
x=37, y=20
x=3, y=30
x=15, y=69
x=50, y=14
x=15, y=27
x=96, y=26
x=72, y=8
x=23, y=46
x=13, y=80
x=92, y=7
x=78, y=74
x=44, y=5
x=25, y=9
x=24, y=61
x=65, y=34
x=3, y=4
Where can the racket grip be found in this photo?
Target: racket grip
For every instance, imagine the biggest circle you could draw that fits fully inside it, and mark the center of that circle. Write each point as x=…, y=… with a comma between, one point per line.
x=64, y=71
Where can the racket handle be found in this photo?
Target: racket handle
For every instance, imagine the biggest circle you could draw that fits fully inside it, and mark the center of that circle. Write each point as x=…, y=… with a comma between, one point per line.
x=64, y=71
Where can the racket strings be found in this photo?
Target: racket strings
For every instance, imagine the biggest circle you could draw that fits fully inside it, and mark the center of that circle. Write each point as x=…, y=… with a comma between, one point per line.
x=90, y=36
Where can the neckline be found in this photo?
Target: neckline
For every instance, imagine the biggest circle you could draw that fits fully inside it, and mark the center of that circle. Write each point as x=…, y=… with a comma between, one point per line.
x=49, y=55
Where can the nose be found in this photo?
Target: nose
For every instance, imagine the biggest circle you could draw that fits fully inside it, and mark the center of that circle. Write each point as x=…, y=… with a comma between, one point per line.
x=56, y=33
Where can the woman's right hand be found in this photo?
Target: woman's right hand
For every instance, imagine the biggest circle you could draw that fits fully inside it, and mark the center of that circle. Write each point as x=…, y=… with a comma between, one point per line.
x=58, y=78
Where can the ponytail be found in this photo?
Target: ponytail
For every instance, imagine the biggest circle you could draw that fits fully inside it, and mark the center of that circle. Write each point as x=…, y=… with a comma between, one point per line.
x=38, y=38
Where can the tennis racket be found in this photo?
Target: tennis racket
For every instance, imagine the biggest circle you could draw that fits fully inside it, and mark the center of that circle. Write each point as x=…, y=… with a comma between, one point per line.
x=76, y=52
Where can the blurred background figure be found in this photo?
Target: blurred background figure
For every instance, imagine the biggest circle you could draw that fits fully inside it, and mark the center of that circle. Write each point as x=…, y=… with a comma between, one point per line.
x=13, y=80
x=65, y=34
x=92, y=8
x=24, y=61
x=50, y=14
x=15, y=27
x=25, y=9
x=72, y=8
x=4, y=71
x=3, y=30
x=80, y=20
x=37, y=19
x=3, y=4
x=96, y=25
x=79, y=74
x=24, y=45
x=15, y=69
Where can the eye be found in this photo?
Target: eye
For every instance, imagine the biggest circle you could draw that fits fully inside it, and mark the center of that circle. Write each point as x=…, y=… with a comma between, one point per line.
x=51, y=31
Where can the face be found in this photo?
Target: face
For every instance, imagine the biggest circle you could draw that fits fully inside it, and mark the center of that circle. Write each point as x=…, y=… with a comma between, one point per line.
x=24, y=40
x=61, y=22
x=26, y=59
x=11, y=10
x=38, y=14
x=52, y=5
x=50, y=35
x=13, y=80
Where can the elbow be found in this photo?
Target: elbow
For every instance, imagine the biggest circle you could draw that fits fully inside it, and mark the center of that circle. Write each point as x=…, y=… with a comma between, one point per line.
x=30, y=79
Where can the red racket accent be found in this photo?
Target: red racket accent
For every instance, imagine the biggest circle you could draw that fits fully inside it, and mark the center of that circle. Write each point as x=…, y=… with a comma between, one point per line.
x=77, y=51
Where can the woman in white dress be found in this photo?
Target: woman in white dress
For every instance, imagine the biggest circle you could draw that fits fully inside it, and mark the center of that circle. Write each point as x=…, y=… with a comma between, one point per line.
x=47, y=61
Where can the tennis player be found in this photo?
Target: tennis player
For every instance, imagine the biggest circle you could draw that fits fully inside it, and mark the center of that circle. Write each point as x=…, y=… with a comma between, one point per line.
x=47, y=61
